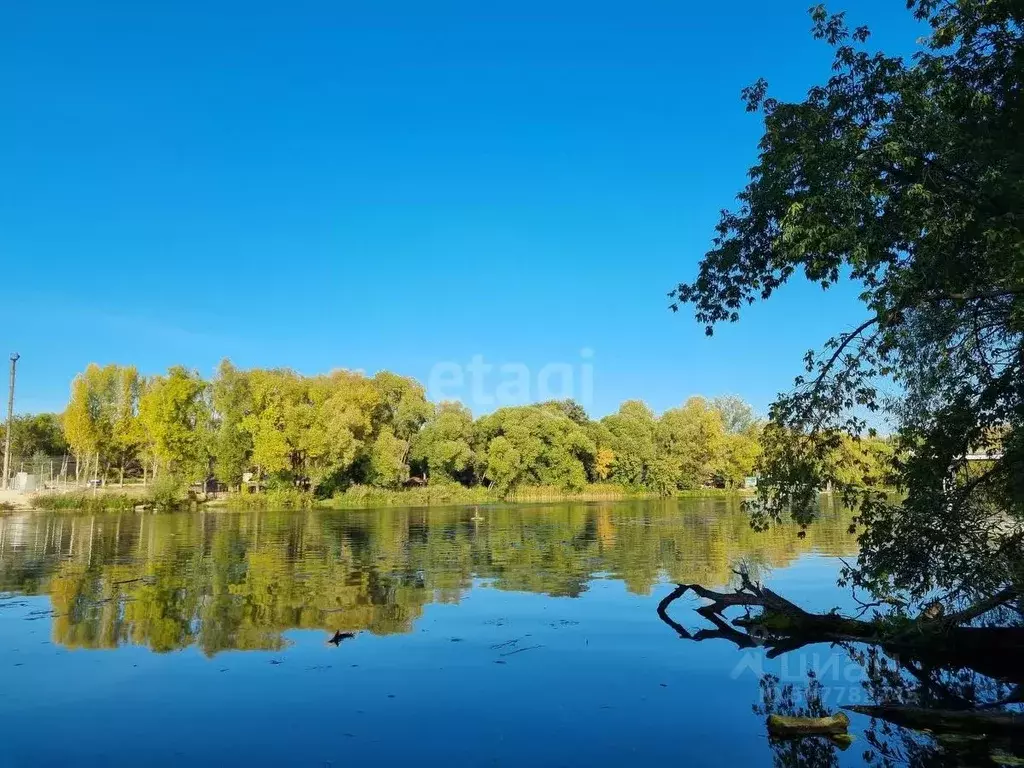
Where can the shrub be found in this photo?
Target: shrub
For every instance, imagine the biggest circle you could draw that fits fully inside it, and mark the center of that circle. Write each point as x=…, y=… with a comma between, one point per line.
x=86, y=501
x=167, y=492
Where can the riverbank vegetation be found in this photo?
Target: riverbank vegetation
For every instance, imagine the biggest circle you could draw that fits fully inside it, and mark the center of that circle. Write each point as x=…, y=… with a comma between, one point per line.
x=276, y=435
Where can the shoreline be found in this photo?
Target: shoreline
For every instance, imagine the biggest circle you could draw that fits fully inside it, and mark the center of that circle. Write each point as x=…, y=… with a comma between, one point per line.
x=119, y=500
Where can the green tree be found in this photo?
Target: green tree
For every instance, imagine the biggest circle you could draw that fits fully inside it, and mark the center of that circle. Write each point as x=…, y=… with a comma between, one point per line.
x=443, y=448
x=632, y=432
x=232, y=445
x=742, y=451
x=403, y=404
x=738, y=416
x=533, y=444
x=389, y=467
x=36, y=434
x=570, y=408
x=175, y=413
x=907, y=176
x=100, y=422
x=80, y=419
x=692, y=439
x=126, y=433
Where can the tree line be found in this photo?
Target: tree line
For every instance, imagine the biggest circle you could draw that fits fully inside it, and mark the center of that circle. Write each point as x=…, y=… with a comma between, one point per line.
x=275, y=429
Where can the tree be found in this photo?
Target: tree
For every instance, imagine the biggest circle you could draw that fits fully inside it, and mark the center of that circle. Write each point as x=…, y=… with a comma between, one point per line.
x=403, y=404
x=443, y=448
x=80, y=419
x=604, y=463
x=907, y=177
x=533, y=444
x=570, y=408
x=742, y=451
x=692, y=440
x=100, y=422
x=738, y=417
x=175, y=414
x=632, y=441
x=36, y=434
x=126, y=433
x=388, y=466
x=232, y=445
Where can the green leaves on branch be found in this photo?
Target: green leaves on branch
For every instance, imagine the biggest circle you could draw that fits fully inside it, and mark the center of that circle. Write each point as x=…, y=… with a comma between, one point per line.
x=906, y=176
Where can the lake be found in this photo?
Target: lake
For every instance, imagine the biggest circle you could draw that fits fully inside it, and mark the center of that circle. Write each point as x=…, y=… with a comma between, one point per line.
x=513, y=635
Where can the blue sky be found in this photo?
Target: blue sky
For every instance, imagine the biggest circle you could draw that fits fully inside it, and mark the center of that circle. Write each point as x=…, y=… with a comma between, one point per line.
x=394, y=185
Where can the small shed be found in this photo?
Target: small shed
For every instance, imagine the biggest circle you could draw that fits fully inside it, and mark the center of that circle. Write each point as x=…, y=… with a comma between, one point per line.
x=26, y=483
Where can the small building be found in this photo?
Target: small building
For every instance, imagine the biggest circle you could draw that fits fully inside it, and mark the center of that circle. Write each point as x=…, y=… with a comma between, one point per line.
x=26, y=483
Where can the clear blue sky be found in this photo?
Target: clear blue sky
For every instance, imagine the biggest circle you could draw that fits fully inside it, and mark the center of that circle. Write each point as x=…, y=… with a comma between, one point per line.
x=391, y=185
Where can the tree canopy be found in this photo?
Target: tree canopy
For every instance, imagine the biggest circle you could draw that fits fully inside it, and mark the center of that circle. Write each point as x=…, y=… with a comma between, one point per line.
x=327, y=433
x=906, y=177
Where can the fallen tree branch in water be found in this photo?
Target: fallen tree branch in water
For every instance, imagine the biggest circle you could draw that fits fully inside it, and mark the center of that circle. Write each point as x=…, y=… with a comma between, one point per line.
x=781, y=627
x=944, y=720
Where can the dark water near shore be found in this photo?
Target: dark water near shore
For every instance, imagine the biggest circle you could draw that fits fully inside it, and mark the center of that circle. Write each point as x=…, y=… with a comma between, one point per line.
x=526, y=636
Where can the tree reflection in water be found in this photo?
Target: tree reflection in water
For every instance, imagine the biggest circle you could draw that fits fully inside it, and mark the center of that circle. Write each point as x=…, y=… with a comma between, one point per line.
x=224, y=580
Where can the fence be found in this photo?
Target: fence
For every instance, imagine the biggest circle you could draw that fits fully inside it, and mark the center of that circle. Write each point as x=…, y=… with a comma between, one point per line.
x=45, y=472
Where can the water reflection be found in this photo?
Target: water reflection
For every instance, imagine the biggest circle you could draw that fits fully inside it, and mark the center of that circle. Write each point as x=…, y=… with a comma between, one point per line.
x=223, y=580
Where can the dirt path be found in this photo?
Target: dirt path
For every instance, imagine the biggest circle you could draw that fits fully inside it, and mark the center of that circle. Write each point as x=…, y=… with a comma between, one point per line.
x=18, y=499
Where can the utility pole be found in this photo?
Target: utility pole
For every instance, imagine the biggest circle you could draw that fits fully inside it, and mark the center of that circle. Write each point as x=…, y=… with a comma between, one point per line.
x=10, y=423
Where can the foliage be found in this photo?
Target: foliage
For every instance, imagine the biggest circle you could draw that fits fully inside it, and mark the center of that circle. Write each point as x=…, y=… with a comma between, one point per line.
x=388, y=466
x=86, y=501
x=692, y=439
x=167, y=492
x=262, y=430
x=908, y=178
x=630, y=436
x=275, y=498
x=530, y=444
x=232, y=445
x=35, y=434
x=175, y=414
x=443, y=449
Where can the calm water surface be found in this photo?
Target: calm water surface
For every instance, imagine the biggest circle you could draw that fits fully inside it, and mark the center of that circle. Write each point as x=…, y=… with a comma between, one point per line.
x=491, y=636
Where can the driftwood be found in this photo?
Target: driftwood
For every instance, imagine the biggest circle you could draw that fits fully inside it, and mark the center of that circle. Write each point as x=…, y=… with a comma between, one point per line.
x=784, y=727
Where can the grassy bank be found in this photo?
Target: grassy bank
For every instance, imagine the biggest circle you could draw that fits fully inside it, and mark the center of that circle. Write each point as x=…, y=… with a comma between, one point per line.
x=357, y=497
x=87, y=501
x=165, y=494
x=365, y=497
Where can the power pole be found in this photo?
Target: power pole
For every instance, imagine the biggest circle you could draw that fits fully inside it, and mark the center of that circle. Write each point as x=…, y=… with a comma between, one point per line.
x=10, y=423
